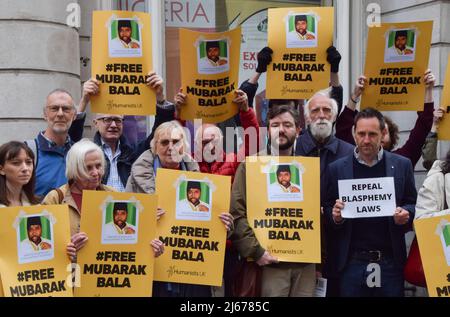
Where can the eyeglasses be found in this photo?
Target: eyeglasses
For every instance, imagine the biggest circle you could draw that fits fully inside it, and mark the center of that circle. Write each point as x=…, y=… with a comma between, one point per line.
x=166, y=142
x=109, y=120
x=64, y=108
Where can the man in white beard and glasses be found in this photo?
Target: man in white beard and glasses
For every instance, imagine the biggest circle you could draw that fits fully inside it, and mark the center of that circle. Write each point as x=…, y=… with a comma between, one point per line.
x=318, y=140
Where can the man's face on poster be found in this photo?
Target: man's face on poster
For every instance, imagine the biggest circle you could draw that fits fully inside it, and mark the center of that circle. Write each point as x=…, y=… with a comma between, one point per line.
x=125, y=34
x=284, y=178
x=194, y=196
x=213, y=53
x=35, y=233
x=301, y=27
x=400, y=42
x=120, y=218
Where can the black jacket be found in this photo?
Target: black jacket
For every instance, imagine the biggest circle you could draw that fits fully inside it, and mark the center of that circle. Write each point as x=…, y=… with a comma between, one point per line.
x=127, y=157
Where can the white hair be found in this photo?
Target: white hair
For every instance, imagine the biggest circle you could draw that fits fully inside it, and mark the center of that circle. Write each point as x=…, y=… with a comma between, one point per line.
x=75, y=160
x=322, y=93
x=169, y=127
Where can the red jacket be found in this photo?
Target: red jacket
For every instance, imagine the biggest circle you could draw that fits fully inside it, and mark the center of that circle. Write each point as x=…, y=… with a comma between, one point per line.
x=231, y=161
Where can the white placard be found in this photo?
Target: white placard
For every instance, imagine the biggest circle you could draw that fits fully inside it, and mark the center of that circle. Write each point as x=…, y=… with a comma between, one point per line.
x=367, y=197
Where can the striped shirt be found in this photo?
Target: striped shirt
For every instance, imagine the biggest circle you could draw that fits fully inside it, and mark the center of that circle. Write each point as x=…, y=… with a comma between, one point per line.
x=113, y=177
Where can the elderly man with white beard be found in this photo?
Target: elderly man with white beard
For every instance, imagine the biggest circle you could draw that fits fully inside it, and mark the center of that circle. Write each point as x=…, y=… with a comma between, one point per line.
x=318, y=141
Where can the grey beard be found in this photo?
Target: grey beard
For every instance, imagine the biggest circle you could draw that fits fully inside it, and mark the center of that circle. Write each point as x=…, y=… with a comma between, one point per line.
x=320, y=131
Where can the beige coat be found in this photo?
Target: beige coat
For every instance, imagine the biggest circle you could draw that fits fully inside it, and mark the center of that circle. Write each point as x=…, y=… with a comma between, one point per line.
x=52, y=198
x=142, y=176
x=433, y=198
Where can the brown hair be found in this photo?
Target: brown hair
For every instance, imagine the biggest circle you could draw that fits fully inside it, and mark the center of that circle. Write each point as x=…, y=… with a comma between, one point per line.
x=9, y=151
x=393, y=132
x=278, y=110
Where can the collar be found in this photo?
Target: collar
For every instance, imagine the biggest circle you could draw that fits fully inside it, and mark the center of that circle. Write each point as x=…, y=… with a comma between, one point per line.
x=309, y=144
x=45, y=144
x=375, y=161
x=126, y=150
x=106, y=146
x=157, y=164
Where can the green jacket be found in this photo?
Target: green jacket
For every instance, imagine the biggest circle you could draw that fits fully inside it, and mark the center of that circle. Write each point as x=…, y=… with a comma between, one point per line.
x=243, y=237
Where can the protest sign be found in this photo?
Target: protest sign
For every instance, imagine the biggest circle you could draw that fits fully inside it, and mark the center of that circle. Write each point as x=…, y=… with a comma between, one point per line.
x=444, y=125
x=118, y=259
x=284, y=212
x=367, y=197
x=299, y=38
x=209, y=74
x=433, y=236
x=193, y=235
x=396, y=61
x=121, y=61
x=35, y=263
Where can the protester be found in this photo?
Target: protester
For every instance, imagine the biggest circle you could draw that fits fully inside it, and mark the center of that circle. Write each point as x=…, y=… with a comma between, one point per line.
x=84, y=170
x=168, y=149
x=380, y=240
x=51, y=146
x=433, y=198
x=119, y=153
x=278, y=279
x=429, y=149
x=412, y=147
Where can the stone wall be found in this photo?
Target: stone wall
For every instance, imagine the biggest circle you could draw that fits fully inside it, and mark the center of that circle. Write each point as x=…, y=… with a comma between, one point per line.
x=39, y=53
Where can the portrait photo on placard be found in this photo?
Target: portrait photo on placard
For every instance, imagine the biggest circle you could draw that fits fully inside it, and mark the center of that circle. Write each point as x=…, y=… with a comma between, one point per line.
x=301, y=30
x=124, y=38
x=120, y=222
x=212, y=57
x=400, y=46
x=194, y=200
x=35, y=239
x=284, y=183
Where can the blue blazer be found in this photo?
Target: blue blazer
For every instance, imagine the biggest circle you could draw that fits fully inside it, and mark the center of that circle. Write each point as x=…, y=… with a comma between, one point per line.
x=405, y=193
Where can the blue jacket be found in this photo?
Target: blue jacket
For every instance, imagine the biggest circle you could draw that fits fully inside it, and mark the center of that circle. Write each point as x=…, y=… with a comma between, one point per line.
x=51, y=164
x=405, y=193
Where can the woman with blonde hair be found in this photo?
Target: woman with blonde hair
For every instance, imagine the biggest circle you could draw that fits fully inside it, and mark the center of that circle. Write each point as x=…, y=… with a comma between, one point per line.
x=168, y=149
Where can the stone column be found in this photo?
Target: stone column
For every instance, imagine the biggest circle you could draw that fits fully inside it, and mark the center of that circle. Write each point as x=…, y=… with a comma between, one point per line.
x=39, y=53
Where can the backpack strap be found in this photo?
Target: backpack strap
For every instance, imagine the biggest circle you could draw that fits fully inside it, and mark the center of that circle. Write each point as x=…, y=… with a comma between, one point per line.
x=60, y=195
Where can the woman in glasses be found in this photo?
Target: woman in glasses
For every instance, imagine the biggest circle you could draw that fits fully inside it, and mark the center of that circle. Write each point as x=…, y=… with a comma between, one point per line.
x=168, y=149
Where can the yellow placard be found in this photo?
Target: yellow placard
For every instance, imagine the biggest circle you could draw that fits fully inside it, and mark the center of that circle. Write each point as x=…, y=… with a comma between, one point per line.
x=33, y=258
x=191, y=230
x=299, y=65
x=209, y=74
x=396, y=61
x=444, y=125
x=118, y=259
x=284, y=211
x=121, y=61
x=433, y=236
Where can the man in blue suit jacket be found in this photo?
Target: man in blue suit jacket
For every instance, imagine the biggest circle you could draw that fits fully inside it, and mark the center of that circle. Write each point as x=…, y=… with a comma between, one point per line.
x=364, y=241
